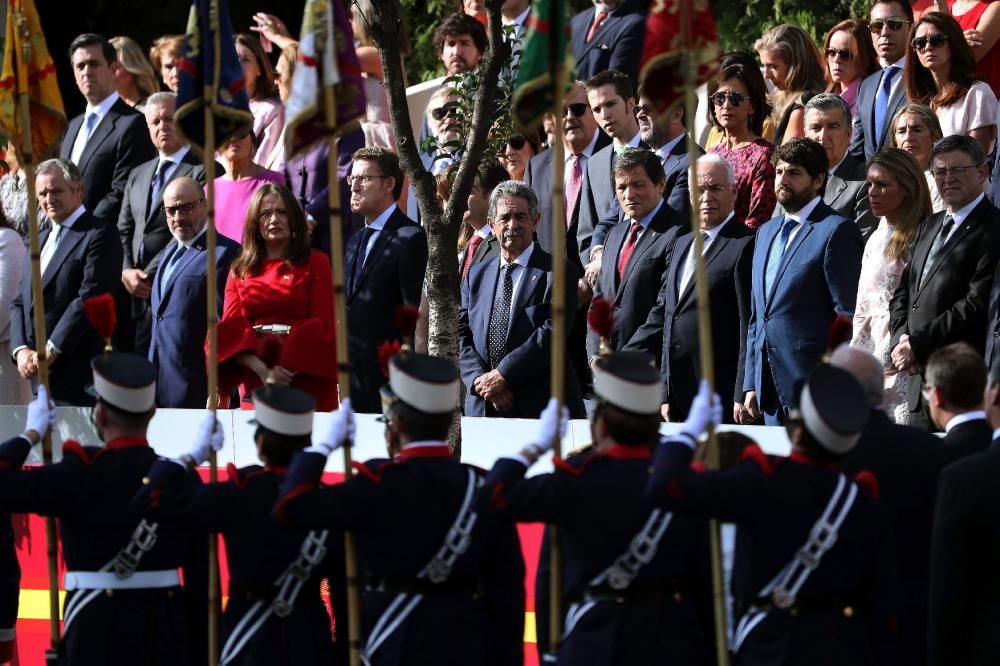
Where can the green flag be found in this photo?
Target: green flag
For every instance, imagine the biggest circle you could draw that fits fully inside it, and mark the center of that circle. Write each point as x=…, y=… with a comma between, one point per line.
x=547, y=39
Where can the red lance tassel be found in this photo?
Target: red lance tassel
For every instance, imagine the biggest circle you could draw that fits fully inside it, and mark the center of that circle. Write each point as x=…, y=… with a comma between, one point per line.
x=100, y=311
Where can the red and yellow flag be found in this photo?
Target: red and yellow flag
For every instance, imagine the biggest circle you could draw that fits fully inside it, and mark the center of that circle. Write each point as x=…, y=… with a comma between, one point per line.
x=669, y=38
x=28, y=69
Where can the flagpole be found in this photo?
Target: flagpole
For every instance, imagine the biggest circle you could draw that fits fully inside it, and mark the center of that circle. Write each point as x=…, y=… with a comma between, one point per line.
x=706, y=358
x=208, y=156
x=27, y=159
x=343, y=368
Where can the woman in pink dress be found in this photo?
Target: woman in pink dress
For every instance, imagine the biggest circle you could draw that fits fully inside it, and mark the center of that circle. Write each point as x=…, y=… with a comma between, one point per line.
x=235, y=189
x=897, y=192
x=265, y=105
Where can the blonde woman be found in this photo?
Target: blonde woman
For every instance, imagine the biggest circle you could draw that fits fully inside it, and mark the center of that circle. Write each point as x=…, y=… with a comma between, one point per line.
x=916, y=129
x=134, y=75
x=793, y=65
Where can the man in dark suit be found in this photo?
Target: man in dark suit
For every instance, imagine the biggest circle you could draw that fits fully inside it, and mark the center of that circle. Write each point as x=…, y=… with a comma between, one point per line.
x=607, y=36
x=80, y=258
x=110, y=139
x=965, y=549
x=142, y=224
x=806, y=265
x=611, y=96
x=505, y=323
x=180, y=298
x=882, y=93
x=828, y=123
x=944, y=290
x=671, y=329
x=669, y=141
x=955, y=382
x=906, y=461
x=638, y=248
x=384, y=269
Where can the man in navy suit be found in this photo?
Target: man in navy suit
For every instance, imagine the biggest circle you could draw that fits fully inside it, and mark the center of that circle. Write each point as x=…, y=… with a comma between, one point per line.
x=609, y=35
x=670, y=332
x=110, y=139
x=806, y=266
x=384, y=269
x=505, y=324
x=142, y=224
x=79, y=259
x=883, y=92
x=180, y=298
x=669, y=141
x=638, y=249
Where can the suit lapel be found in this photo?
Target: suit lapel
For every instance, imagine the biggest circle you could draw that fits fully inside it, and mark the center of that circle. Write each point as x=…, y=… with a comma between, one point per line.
x=486, y=297
x=529, y=282
x=144, y=181
x=680, y=255
x=956, y=237
x=789, y=254
x=923, y=247
x=603, y=31
x=384, y=236
x=194, y=252
x=71, y=237
x=646, y=239
x=101, y=132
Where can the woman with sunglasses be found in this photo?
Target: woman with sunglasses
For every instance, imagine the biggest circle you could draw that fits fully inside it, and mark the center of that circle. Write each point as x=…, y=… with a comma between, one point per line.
x=715, y=134
x=850, y=57
x=516, y=153
x=794, y=67
x=737, y=105
x=940, y=72
x=916, y=129
x=980, y=21
x=898, y=194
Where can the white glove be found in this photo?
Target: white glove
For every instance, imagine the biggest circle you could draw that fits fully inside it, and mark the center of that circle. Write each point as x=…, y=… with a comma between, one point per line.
x=41, y=413
x=211, y=437
x=551, y=424
x=706, y=410
x=340, y=432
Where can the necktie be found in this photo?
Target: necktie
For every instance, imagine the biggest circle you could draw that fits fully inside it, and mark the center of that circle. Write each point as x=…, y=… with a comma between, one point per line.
x=89, y=123
x=496, y=342
x=882, y=102
x=598, y=20
x=573, y=189
x=360, y=255
x=691, y=264
x=936, y=247
x=774, y=256
x=50, y=246
x=172, y=264
x=628, y=248
x=158, y=181
x=470, y=252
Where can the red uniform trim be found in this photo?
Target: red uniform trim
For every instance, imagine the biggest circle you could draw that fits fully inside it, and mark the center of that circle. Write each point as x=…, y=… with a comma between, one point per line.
x=868, y=482
x=127, y=443
x=75, y=448
x=623, y=452
x=425, y=452
x=367, y=472
x=499, y=501
x=803, y=459
x=564, y=466
x=755, y=455
x=303, y=488
x=698, y=467
x=239, y=480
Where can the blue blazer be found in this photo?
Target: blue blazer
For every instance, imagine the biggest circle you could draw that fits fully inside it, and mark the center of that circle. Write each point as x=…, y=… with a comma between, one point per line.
x=526, y=367
x=177, y=347
x=87, y=262
x=817, y=280
x=864, y=143
x=617, y=44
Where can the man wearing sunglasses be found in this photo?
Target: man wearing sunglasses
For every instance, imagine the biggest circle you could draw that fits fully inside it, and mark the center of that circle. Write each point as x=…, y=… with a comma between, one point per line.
x=882, y=93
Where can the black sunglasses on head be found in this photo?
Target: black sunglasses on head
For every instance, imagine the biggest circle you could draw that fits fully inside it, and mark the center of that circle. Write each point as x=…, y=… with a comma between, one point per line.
x=576, y=108
x=936, y=41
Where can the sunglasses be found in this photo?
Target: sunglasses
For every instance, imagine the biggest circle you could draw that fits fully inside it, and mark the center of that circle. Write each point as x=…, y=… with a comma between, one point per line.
x=894, y=23
x=843, y=54
x=516, y=142
x=442, y=112
x=735, y=98
x=935, y=41
x=577, y=109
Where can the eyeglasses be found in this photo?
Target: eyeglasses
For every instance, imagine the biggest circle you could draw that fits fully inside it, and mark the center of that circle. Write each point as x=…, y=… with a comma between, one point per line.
x=442, y=112
x=362, y=180
x=894, y=23
x=843, y=54
x=941, y=174
x=576, y=108
x=516, y=142
x=735, y=98
x=935, y=41
x=183, y=209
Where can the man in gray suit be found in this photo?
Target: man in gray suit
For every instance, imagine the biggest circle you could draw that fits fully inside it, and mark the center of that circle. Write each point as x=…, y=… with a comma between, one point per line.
x=142, y=224
x=828, y=123
x=882, y=93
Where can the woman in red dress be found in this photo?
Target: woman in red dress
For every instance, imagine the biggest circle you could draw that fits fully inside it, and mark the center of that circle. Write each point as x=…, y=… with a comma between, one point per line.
x=278, y=323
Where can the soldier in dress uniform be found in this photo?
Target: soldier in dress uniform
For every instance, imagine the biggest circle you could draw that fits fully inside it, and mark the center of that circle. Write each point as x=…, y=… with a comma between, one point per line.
x=443, y=586
x=124, y=603
x=812, y=573
x=275, y=614
x=635, y=577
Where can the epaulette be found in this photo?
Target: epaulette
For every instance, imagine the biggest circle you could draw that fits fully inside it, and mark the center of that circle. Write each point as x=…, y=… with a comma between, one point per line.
x=87, y=454
x=239, y=477
x=753, y=453
x=868, y=482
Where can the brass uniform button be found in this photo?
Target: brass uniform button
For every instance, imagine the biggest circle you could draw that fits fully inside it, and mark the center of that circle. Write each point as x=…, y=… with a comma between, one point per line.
x=110, y=593
x=794, y=611
x=848, y=612
x=678, y=596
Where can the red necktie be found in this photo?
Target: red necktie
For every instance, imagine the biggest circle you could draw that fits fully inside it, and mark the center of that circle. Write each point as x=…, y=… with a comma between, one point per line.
x=598, y=20
x=470, y=251
x=627, y=248
x=573, y=190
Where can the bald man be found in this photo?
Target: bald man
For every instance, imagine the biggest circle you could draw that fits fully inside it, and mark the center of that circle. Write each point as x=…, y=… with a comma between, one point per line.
x=179, y=298
x=906, y=461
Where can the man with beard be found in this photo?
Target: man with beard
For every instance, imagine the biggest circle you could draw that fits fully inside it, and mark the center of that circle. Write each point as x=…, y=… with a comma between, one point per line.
x=806, y=266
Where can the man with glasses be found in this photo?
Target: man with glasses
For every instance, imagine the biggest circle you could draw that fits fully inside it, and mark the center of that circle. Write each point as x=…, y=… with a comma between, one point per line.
x=943, y=292
x=384, y=266
x=882, y=93
x=179, y=297
x=80, y=256
x=142, y=224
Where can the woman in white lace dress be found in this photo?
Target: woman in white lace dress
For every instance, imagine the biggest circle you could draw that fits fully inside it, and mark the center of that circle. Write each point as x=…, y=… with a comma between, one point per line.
x=897, y=192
